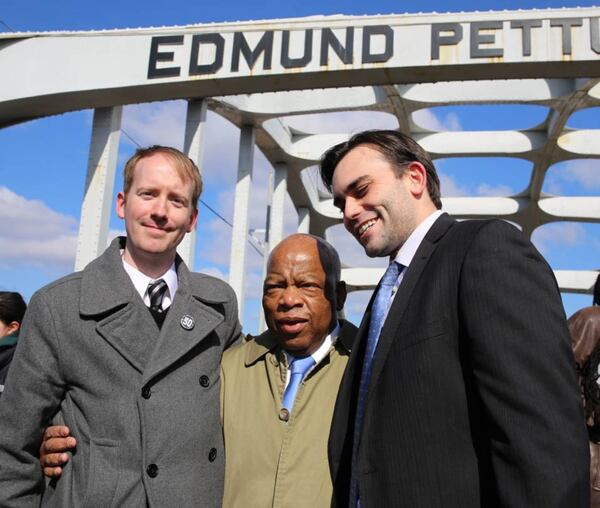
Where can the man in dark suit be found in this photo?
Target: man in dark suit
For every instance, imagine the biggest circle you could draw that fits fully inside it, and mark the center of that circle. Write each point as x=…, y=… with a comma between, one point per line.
x=125, y=353
x=461, y=390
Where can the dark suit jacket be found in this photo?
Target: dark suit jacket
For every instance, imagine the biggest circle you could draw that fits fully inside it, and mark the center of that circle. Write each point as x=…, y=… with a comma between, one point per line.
x=473, y=398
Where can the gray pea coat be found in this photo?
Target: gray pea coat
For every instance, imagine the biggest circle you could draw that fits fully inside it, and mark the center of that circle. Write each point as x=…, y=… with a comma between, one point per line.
x=142, y=402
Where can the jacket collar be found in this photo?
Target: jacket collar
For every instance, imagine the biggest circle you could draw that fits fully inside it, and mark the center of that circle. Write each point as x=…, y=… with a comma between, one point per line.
x=106, y=286
x=267, y=342
x=411, y=277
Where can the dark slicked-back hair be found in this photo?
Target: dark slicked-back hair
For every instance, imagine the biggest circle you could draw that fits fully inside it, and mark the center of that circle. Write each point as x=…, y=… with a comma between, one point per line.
x=397, y=148
x=12, y=307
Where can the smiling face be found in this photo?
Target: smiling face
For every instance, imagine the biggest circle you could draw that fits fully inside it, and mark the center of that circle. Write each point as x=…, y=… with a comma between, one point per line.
x=380, y=209
x=158, y=211
x=298, y=308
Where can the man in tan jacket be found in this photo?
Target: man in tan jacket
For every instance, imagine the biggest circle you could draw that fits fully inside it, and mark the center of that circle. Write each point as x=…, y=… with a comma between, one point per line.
x=276, y=455
x=275, y=441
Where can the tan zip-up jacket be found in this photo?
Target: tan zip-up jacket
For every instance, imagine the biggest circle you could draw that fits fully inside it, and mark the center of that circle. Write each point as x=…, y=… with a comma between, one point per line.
x=272, y=458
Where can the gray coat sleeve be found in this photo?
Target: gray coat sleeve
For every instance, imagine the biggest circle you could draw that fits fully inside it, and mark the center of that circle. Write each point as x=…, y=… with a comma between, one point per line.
x=236, y=335
x=33, y=393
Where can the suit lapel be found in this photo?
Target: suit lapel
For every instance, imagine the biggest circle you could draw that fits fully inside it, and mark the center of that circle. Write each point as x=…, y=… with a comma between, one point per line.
x=343, y=417
x=392, y=327
x=340, y=440
x=348, y=335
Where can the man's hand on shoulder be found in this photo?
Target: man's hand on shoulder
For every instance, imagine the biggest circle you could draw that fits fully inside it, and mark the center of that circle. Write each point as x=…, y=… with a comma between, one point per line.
x=55, y=443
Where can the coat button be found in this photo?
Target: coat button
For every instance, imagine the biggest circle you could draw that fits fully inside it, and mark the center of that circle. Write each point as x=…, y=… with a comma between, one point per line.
x=204, y=381
x=212, y=454
x=152, y=470
x=284, y=414
x=146, y=392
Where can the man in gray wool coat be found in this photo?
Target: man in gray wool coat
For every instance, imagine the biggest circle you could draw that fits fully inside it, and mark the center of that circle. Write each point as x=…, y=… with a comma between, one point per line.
x=126, y=354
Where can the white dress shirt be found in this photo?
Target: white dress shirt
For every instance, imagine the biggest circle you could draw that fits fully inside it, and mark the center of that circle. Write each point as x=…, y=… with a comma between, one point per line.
x=408, y=250
x=140, y=282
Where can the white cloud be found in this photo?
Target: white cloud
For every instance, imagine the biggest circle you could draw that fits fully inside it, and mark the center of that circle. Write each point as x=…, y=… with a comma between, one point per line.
x=449, y=186
x=429, y=120
x=22, y=217
x=215, y=272
x=157, y=123
x=552, y=186
x=164, y=123
x=558, y=234
x=486, y=189
x=583, y=172
x=33, y=233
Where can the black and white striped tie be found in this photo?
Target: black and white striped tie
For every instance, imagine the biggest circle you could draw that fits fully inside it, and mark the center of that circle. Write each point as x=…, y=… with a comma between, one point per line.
x=156, y=291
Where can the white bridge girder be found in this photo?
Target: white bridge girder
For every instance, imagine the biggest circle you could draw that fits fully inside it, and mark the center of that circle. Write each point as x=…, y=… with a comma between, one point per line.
x=257, y=73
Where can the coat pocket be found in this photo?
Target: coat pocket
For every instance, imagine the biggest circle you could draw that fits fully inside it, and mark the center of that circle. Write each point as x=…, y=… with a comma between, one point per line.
x=103, y=473
x=424, y=332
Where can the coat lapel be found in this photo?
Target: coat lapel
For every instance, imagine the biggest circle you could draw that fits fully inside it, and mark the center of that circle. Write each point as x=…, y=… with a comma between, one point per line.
x=131, y=333
x=176, y=339
x=392, y=327
x=108, y=296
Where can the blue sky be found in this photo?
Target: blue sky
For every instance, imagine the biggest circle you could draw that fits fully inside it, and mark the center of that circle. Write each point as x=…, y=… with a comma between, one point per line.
x=43, y=162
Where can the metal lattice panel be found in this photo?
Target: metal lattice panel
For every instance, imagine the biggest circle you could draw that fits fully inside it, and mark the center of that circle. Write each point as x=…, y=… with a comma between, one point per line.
x=543, y=145
x=259, y=74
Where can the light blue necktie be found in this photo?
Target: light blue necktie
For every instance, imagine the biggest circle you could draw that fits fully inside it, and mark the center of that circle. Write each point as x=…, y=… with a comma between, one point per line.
x=378, y=315
x=298, y=370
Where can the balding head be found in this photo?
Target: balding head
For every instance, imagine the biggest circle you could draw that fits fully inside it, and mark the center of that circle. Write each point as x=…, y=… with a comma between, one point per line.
x=302, y=292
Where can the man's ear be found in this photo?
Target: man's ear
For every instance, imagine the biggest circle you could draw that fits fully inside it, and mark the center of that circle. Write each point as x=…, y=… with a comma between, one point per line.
x=193, y=221
x=120, y=205
x=416, y=176
x=340, y=295
x=13, y=327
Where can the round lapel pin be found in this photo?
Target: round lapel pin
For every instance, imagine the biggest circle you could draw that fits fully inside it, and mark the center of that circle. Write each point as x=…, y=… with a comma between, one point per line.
x=187, y=322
